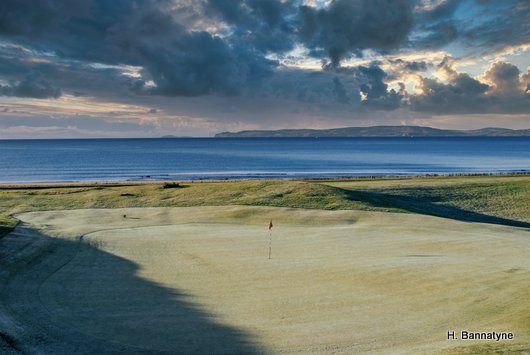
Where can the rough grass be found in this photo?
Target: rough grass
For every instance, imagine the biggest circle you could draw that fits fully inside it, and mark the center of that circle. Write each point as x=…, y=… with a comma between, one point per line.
x=500, y=200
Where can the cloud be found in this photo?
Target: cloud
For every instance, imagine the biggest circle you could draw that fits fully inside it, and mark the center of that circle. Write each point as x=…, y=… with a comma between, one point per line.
x=373, y=88
x=504, y=79
x=435, y=24
x=73, y=77
x=461, y=93
x=345, y=86
x=261, y=58
x=201, y=64
x=440, y=9
x=33, y=85
x=409, y=66
x=452, y=97
x=349, y=26
x=437, y=35
x=297, y=84
x=498, y=25
x=178, y=61
x=265, y=25
x=491, y=26
x=476, y=27
x=502, y=92
x=190, y=48
x=340, y=91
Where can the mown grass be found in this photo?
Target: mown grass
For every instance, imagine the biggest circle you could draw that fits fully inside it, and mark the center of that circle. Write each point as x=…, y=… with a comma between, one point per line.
x=500, y=199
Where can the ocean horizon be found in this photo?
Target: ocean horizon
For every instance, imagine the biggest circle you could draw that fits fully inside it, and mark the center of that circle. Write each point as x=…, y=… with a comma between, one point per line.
x=123, y=159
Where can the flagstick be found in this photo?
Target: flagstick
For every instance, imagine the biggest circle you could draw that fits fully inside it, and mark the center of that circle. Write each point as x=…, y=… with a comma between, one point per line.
x=270, y=243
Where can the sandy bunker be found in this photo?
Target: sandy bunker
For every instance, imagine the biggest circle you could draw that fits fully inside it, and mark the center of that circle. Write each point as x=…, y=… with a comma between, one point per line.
x=198, y=279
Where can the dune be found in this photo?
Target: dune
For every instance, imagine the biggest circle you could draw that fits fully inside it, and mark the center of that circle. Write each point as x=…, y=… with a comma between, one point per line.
x=198, y=279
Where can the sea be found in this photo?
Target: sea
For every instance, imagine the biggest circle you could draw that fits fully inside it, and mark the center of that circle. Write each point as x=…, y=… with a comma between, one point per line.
x=66, y=160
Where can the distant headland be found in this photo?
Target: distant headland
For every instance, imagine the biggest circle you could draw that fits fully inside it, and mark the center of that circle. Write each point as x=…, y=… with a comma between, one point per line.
x=376, y=131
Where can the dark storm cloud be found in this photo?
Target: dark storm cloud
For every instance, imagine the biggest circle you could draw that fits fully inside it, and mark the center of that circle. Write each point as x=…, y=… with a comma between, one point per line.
x=436, y=26
x=479, y=25
x=141, y=33
x=202, y=64
x=33, y=85
x=353, y=25
x=373, y=81
x=372, y=85
x=36, y=18
x=188, y=63
x=13, y=68
x=266, y=25
x=342, y=85
x=224, y=47
x=111, y=32
x=499, y=24
x=80, y=78
x=340, y=91
x=438, y=35
x=464, y=94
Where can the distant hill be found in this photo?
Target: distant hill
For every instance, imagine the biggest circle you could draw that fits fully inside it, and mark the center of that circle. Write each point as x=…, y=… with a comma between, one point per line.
x=376, y=131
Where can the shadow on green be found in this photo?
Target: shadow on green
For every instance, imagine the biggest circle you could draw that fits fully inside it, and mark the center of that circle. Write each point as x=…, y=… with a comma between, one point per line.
x=103, y=293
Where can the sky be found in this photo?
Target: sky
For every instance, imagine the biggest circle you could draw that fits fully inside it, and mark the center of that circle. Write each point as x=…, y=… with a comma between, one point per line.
x=149, y=68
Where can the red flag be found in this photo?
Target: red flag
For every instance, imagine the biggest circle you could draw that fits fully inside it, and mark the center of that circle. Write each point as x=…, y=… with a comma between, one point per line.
x=270, y=224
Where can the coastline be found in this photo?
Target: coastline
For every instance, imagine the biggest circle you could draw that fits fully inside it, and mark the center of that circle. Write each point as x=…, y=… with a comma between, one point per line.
x=125, y=183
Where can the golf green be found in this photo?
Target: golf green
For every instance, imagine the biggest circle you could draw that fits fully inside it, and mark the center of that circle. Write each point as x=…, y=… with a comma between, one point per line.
x=199, y=279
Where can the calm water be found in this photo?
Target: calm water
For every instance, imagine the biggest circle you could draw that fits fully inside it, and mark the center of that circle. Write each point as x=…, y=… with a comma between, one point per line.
x=256, y=158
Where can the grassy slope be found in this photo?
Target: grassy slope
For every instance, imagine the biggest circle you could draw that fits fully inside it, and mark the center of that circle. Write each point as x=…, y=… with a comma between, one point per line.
x=501, y=200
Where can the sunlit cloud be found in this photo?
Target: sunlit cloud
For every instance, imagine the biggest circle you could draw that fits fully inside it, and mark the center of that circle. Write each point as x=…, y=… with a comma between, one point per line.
x=70, y=105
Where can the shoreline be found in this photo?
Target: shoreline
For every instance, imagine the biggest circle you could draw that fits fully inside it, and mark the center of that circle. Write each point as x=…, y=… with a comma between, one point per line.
x=123, y=183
